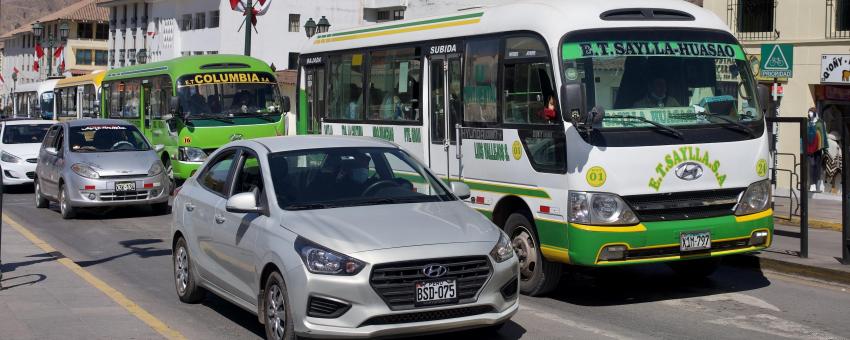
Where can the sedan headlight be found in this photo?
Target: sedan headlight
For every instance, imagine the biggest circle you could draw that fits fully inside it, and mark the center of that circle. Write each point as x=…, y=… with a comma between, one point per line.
x=755, y=199
x=155, y=169
x=190, y=154
x=9, y=158
x=85, y=171
x=503, y=250
x=321, y=260
x=599, y=209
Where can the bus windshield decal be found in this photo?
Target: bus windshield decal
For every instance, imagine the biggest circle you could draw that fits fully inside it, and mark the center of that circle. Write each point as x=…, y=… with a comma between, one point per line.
x=227, y=78
x=603, y=49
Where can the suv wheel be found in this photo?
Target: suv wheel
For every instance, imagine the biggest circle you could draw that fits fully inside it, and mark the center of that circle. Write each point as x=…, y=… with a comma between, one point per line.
x=40, y=201
x=68, y=212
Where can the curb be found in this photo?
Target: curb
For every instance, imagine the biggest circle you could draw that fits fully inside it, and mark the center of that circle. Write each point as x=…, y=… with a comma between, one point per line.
x=751, y=261
x=813, y=223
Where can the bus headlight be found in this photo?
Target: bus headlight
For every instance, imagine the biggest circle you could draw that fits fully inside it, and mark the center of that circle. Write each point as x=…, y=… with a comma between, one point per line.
x=755, y=199
x=599, y=209
x=190, y=154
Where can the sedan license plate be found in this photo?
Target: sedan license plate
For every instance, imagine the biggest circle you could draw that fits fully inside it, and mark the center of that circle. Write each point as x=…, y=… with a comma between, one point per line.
x=125, y=186
x=699, y=240
x=436, y=292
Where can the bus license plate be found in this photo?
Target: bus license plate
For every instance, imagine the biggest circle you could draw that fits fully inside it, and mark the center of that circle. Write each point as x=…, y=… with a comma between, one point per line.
x=436, y=292
x=125, y=186
x=695, y=241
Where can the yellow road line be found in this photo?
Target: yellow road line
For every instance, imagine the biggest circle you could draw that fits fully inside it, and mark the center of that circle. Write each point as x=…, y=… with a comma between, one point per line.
x=119, y=298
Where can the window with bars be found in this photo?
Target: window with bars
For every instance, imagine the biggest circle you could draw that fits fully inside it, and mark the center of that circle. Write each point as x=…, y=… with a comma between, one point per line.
x=84, y=57
x=383, y=15
x=84, y=30
x=200, y=21
x=294, y=22
x=100, y=57
x=186, y=22
x=101, y=31
x=753, y=19
x=398, y=14
x=838, y=19
x=214, y=19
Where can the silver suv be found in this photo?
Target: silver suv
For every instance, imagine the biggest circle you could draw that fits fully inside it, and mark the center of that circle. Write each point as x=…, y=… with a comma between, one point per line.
x=328, y=236
x=99, y=163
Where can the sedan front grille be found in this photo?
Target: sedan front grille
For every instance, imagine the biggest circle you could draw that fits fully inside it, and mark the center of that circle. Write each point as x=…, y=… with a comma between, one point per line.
x=318, y=307
x=124, y=195
x=31, y=174
x=433, y=315
x=394, y=282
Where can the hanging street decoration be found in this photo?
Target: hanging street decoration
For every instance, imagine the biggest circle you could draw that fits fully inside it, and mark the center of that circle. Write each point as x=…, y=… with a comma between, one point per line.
x=259, y=9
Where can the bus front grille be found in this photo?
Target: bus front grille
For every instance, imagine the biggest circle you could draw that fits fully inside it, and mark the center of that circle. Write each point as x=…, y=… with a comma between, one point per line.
x=684, y=205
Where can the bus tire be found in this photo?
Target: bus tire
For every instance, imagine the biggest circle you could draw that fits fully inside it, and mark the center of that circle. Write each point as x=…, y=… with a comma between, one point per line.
x=695, y=269
x=538, y=276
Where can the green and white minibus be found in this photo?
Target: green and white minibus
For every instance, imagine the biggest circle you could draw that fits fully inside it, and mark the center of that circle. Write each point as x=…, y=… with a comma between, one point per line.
x=192, y=105
x=595, y=133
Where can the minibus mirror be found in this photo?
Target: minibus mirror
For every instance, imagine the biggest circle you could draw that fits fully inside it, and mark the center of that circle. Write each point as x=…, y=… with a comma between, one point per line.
x=461, y=190
x=243, y=203
x=572, y=97
x=764, y=97
x=286, y=104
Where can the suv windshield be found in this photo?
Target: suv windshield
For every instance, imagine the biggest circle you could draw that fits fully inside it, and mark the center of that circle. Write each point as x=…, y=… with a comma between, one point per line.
x=106, y=138
x=340, y=177
x=24, y=133
x=228, y=94
x=666, y=82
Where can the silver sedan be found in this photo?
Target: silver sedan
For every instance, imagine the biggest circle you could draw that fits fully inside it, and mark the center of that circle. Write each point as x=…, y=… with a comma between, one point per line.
x=328, y=236
x=99, y=163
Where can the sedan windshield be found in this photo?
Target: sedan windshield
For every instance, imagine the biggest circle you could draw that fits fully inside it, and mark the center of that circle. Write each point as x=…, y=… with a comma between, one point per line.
x=226, y=95
x=25, y=133
x=106, y=138
x=340, y=177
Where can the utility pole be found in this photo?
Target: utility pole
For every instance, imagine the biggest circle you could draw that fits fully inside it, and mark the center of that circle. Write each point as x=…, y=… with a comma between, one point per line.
x=249, y=16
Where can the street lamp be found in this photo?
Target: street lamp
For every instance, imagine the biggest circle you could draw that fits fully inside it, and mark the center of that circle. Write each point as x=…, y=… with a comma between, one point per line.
x=50, y=41
x=37, y=29
x=323, y=25
x=310, y=28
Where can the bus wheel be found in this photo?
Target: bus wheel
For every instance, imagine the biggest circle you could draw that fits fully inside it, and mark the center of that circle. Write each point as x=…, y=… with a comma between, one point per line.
x=695, y=269
x=538, y=276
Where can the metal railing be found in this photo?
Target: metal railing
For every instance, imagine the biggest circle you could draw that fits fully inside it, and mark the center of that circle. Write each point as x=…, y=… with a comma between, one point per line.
x=837, y=19
x=793, y=182
x=752, y=19
x=803, y=183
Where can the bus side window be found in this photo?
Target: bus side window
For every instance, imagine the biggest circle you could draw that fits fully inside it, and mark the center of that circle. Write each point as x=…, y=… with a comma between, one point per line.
x=346, y=86
x=394, y=84
x=116, y=95
x=479, y=81
x=528, y=83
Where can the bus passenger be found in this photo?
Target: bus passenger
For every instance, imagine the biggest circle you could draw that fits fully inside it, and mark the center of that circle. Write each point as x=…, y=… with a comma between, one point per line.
x=354, y=103
x=548, y=113
x=657, y=95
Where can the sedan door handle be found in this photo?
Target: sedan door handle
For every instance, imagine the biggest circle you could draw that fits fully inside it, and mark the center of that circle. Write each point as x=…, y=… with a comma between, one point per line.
x=219, y=219
x=190, y=207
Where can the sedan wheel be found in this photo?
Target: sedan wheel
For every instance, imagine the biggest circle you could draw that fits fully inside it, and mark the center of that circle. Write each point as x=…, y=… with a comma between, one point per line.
x=184, y=281
x=40, y=201
x=68, y=212
x=278, y=320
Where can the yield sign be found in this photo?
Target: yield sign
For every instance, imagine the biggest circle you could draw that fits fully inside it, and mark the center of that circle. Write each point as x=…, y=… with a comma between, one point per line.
x=777, y=60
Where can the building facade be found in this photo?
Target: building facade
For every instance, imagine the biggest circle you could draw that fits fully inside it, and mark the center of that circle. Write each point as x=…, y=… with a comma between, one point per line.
x=819, y=31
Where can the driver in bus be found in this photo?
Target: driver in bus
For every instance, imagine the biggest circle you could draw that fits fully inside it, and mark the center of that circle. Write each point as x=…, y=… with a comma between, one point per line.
x=657, y=95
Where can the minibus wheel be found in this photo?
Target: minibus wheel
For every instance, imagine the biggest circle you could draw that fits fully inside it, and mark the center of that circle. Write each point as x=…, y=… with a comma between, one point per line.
x=538, y=276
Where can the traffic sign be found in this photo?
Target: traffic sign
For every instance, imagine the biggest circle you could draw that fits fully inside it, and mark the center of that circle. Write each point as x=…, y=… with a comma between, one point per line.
x=777, y=61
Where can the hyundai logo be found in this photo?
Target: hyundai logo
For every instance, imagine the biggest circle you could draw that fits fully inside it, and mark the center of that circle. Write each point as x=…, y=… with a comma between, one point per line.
x=689, y=171
x=434, y=270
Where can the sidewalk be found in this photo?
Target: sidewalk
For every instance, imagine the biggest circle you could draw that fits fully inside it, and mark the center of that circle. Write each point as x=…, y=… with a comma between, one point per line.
x=43, y=299
x=823, y=262
x=824, y=213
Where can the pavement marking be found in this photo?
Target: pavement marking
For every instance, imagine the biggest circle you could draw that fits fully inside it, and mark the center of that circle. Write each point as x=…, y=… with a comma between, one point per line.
x=734, y=297
x=119, y=298
x=570, y=323
x=769, y=324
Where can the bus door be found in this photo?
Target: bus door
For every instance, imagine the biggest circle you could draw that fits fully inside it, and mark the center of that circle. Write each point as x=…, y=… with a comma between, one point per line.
x=444, y=106
x=314, y=85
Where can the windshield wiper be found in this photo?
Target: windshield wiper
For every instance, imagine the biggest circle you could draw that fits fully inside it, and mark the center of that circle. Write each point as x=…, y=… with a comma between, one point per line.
x=208, y=116
x=663, y=127
x=264, y=116
x=736, y=124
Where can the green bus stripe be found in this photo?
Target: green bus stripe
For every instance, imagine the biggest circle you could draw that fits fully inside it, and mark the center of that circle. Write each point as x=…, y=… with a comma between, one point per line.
x=408, y=24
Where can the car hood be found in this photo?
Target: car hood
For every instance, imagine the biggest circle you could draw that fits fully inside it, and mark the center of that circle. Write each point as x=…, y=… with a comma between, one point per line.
x=356, y=229
x=117, y=163
x=24, y=151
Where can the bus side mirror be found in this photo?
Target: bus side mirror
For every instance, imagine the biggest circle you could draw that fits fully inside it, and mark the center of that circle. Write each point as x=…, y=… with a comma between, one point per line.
x=174, y=106
x=286, y=104
x=572, y=97
x=764, y=97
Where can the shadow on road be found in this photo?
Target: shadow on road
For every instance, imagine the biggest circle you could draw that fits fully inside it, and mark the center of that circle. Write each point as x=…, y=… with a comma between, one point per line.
x=235, y=314
x=43, y=257
x=98, y=214
x=136, y=247
x=649, y=283
x=18, y=189
x=32, y=279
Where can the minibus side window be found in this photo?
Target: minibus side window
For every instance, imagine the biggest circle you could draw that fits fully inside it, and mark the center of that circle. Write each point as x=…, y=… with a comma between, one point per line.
x=480, y=81
x=346, y=86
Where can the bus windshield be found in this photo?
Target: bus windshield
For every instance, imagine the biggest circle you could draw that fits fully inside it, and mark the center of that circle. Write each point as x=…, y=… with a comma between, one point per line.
x=46, y=103
x=229, y=95
x=638, y=81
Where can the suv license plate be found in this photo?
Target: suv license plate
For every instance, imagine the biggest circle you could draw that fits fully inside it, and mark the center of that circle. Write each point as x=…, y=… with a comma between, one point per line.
x=125, y=186
x=436, y=292
x=699, y=240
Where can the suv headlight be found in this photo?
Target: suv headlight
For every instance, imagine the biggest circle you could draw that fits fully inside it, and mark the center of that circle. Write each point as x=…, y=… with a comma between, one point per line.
x=9, y=158
x=321, y=260
x=503, y=250
x=156, y=169
x=755, y=199
x=599, y=209
x=85, y=171
x=190, y=154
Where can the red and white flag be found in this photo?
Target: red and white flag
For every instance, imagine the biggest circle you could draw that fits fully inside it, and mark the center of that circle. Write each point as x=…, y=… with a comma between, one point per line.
x=58, y=51
x=259, y=9
x=2, y=81
x=39, y=52
x=35, y=66
x=15, y=69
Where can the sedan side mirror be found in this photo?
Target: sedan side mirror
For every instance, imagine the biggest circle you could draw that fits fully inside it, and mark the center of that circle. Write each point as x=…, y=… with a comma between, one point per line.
x=244, y=203
x=158, y=148
x=461, y=190
x=51, y=150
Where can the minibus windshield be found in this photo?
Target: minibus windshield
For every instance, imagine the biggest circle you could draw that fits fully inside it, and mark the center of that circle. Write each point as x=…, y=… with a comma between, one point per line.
x=228, y=95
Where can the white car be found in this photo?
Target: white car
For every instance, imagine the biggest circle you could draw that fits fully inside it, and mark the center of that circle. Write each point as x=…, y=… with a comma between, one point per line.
x=328, y=236
x=19, y=144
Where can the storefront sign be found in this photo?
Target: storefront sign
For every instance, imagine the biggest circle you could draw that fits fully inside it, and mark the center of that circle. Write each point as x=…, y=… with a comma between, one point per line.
x=835, y=68
x=777, y=60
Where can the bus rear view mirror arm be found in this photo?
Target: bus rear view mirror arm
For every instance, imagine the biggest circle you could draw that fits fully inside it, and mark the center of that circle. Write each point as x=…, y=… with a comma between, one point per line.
x=286, y=104
x=764, y=97
x=572, y=98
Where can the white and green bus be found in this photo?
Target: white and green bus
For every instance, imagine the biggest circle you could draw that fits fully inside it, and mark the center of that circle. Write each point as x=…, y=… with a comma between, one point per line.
x=595, y=133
